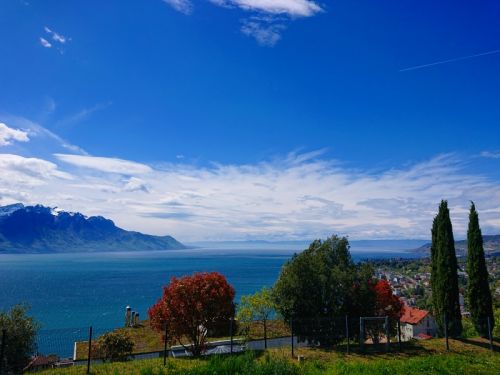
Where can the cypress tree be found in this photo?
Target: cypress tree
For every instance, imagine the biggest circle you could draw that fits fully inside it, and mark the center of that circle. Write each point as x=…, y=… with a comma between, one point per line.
x=444, y=279
x=478, y=289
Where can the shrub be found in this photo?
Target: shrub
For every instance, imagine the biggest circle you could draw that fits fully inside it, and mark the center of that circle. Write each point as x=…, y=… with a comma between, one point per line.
x=115, y=346
x=21, y=331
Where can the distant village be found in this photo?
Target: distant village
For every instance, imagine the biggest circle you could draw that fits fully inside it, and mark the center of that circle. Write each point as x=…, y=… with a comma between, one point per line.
x=410, y=281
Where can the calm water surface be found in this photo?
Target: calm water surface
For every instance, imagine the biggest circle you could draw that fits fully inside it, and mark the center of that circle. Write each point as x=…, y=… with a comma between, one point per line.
x=77, y=290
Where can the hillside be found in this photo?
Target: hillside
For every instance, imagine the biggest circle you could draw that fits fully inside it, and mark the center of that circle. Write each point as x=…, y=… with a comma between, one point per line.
x=39, y=229
x=491, y=246
x=421, y=357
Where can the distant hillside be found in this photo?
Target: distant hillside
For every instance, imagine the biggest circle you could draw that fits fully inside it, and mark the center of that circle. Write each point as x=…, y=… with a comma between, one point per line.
x=39, y=229
x=491, y=246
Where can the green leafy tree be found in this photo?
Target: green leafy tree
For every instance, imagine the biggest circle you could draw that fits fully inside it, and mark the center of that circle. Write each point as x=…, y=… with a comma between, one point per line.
x=321, y=283
x=115, y=346
x=21, y=331
x=444, y=279
x=478, y=289
x=258, y=307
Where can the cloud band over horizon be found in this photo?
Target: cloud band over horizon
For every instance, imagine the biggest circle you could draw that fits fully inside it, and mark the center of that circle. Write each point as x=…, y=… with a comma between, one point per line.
x=295, y=196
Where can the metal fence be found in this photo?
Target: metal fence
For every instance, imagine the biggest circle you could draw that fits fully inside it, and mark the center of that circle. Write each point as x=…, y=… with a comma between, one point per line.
x=77, y=346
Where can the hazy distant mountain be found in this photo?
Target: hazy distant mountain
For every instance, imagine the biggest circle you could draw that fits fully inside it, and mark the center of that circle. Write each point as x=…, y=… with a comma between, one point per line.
x=357, y=246
x=39, y=229
x=491, y=246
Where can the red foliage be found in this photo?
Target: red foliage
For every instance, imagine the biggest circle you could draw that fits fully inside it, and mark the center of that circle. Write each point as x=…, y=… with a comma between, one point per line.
x=191, y=305
x=387, y=304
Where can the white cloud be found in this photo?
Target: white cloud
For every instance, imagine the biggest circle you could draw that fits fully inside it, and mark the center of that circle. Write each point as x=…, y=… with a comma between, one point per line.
x=7, y=135
x=293, y=8
x=56, y=36
x=107, y=165
x=490, y=155
x=45, y=43
x=298, y=196
x=136, y=184
x=20, y=172
x=183, y=6
x=265, y=33
x=268, y=17
x=41, y=137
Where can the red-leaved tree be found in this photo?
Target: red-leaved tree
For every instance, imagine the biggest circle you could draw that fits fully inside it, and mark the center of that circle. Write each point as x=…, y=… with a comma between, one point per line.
x=191, y=306
x=387, y=304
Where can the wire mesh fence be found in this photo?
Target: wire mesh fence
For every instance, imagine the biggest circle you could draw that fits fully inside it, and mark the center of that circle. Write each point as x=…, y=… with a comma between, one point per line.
x=85, y=345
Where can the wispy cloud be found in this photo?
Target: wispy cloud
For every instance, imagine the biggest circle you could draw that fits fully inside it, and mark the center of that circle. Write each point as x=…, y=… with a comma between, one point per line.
x=58, y=40
x=455, y=59
x=183, y=6
x=296, y=196
x=82, y=115
x=56, y=36
x=45, y=43
x=8, y=135
x=268, y=18
x=23, y=173
x=40, y=137
x=266, y=32
x=102, y=164
x=293, y=8
x=490, y=154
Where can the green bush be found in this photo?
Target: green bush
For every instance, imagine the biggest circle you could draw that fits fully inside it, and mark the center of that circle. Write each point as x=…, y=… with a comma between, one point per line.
x=21, y=331
x=115, y=346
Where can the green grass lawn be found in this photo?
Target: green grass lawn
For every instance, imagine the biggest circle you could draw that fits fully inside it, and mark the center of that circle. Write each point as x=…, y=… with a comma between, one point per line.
x=426, y=357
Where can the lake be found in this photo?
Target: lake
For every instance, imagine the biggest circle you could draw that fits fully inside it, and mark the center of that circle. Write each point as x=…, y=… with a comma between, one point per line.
x=74, y=291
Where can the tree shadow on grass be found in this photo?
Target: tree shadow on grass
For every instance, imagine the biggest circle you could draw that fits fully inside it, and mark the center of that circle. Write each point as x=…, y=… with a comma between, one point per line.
x=482, y=343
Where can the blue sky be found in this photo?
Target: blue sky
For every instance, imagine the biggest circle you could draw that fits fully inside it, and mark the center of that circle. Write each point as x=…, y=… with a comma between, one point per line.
x=205, y=100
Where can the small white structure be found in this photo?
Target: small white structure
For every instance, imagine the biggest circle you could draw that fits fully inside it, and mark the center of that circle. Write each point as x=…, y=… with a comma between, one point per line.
x=417, y=324
x=128, y=316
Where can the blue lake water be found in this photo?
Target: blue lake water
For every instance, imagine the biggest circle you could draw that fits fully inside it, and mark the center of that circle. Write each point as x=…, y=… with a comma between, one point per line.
x=74, y=291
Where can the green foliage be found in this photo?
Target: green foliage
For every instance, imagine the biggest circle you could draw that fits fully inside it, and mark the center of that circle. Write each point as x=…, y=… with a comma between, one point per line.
x=478, y=289
x=115, y=346
x=496, y=329
x=20, y=338
x=320, y=283
x=468, y=329
x=444, y=280
x=259, y=306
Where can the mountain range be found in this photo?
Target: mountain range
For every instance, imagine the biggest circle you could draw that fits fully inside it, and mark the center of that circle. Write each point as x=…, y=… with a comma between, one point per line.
x=40, y=229
x=491, y=246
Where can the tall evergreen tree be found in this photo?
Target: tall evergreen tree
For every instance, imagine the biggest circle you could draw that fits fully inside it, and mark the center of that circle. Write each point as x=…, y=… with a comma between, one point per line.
x=444, y=279
x=478, y=289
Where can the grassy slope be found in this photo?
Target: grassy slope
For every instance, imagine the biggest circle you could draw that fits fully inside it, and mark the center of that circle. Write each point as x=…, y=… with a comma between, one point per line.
x=147, y=340
x=429, y=357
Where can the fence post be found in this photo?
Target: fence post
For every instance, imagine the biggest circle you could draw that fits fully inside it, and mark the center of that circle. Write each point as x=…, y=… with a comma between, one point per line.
x=90, y=350
x=291, y=329
x=361, y=334
x=265, y=334
x=165, y=346
x=399, y=334
x=490, y=333
x=347, y=332
x=2, y=350
x=231, y=333
x=446, y=332
x=387, y=335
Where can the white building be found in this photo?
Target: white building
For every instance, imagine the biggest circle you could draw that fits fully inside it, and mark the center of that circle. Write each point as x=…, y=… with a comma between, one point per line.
x=417, y=324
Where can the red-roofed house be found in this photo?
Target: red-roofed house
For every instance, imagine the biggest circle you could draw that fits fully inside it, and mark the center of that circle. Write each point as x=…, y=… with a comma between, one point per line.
x=415, y=322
